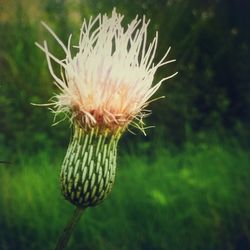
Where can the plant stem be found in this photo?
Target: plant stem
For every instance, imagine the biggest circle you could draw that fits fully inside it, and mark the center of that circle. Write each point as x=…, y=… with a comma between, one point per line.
x=65, y=236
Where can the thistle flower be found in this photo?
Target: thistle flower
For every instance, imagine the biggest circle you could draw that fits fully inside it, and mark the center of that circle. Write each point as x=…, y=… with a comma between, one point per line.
x=104, y=87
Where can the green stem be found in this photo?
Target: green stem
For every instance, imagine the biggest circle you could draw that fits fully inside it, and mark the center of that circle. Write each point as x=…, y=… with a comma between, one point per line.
x=65, y=236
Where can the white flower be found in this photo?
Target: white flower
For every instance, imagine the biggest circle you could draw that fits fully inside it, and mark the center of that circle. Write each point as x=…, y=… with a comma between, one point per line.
x=108, y=82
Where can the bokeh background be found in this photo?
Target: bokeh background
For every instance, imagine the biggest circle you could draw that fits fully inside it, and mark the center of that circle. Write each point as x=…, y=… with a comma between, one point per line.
x=183, y=186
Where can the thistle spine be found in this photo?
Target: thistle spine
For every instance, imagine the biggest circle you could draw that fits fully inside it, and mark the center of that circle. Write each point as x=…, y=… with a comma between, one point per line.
x=88, y=170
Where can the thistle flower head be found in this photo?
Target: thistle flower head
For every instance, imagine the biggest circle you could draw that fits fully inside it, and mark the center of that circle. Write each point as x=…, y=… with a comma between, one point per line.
x=107, y=83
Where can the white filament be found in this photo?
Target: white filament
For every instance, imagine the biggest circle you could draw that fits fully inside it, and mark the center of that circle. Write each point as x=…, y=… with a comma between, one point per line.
x=109, y=80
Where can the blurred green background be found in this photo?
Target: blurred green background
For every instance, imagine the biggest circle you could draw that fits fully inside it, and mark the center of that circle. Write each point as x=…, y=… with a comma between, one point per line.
x=183, y=186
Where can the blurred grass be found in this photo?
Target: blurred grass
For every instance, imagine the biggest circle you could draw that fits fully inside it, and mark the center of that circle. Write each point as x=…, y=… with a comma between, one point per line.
x=195, y=199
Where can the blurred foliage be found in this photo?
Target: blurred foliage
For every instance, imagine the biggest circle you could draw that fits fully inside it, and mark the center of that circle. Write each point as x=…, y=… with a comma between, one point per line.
x=209, y=39
x=197, y=199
